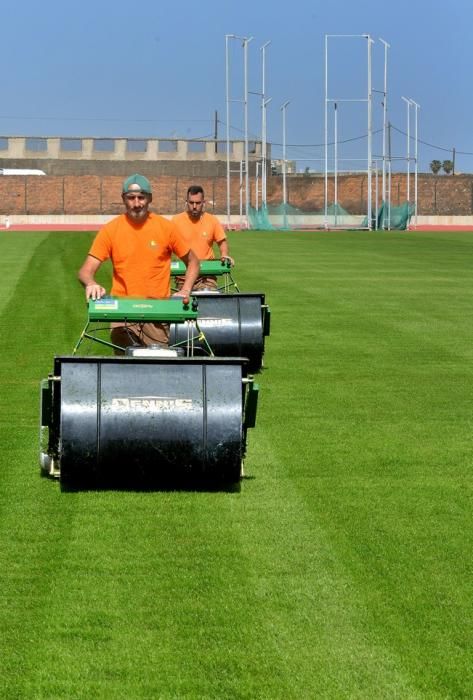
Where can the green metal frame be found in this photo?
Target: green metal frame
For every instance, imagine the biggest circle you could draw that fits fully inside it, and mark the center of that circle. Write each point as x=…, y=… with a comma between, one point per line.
x=210, y=268
x=119, y=309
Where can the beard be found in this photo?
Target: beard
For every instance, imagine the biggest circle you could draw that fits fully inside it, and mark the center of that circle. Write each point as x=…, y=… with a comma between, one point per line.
x=138, y=215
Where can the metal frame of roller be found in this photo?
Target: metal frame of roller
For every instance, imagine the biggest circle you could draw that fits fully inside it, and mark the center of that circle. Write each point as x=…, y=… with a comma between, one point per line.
x=145, y=420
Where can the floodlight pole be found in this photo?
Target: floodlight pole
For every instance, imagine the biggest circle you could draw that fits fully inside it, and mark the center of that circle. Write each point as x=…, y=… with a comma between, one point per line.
x=264, y=103
x=257, y=185
x=335, y=170
x=416, y=142
x=408, y=104
x=369, y=101
x=376, y=215
x=389, y=175
x=385, y=116
x=227, y=103
x=245, y=41
x=370, y=132
x=241, y=194
x=284, y=187
x=326, y=136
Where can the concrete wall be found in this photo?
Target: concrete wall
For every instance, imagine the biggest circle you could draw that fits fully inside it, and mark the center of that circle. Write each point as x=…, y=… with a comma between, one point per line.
x=120, y=156
x=63, y=166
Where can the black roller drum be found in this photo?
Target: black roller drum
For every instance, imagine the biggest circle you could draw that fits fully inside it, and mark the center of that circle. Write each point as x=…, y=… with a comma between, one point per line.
x=235, y=325
x=150, y=419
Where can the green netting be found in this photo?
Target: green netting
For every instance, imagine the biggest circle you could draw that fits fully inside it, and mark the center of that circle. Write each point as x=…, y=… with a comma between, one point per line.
x=396, y=218
x=259, y=219
x=287, y=217
x=393, y=218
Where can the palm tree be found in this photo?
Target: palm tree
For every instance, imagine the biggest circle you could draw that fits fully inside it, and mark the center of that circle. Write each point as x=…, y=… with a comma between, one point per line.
x=447, y=166
x=436, y=166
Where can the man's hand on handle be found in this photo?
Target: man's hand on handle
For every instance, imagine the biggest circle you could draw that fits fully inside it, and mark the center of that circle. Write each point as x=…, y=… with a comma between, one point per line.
x=94, y=291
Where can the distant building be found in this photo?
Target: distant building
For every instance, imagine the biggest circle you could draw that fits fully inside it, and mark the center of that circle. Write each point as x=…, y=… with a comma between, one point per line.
x=278, y=164
x=120, y=156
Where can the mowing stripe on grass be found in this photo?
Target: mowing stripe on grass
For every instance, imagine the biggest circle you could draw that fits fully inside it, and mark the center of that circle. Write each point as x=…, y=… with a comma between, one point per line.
x=14, y=258
x=343, y=566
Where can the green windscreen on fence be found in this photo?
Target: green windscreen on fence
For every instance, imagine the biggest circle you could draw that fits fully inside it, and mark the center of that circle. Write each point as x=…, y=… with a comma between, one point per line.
x=287, y=217
x=395, y=218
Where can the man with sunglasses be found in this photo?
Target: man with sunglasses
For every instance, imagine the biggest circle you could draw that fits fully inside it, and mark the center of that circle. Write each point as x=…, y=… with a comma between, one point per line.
x=140, y=245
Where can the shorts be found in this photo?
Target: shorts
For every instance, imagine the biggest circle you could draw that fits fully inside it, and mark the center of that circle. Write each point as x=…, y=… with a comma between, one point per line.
x=138, y=334
x=200, y=284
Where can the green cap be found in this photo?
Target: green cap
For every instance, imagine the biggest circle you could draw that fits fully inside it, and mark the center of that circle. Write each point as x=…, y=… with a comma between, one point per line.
x=140, y=180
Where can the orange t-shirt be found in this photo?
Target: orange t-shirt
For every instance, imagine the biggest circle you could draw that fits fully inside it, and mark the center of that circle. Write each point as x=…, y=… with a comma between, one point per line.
x=200, y=235
x=140, y=254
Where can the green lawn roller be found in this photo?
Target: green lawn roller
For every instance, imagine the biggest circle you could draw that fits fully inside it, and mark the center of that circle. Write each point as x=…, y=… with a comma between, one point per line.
x=234, y=323
x=150, y=417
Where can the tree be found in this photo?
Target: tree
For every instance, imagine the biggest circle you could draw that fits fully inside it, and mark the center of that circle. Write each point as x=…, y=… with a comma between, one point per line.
x=435, y=166
x=447, y=166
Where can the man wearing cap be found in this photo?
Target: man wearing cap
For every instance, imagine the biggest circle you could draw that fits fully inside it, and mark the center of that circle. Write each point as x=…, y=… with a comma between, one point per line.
x=201, y=231
x=140, y=245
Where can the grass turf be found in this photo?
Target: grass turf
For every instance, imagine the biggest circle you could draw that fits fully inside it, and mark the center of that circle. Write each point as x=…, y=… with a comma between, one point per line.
x=343, y=566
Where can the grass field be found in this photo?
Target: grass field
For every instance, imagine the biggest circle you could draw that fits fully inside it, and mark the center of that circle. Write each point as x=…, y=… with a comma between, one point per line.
x=342, y=568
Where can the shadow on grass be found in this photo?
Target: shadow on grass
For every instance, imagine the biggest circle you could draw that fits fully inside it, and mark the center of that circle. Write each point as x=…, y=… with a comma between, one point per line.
x=145, y=484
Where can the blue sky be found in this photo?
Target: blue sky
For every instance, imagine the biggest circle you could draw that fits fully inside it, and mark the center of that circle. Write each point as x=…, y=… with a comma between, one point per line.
x=115, y=68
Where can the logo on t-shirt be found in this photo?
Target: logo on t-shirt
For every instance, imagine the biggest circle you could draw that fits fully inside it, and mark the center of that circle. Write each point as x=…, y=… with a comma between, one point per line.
x=204, y=234
x=152, y=244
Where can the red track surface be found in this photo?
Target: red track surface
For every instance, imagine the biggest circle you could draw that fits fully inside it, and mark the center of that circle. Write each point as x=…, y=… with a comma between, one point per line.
x=434, y=227
x=52, y=227
x=95, y=227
